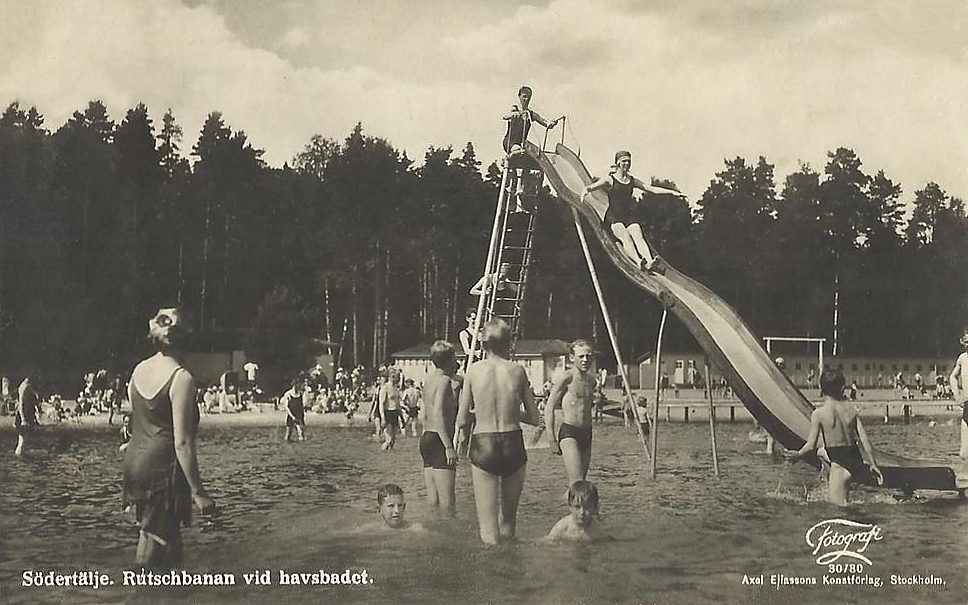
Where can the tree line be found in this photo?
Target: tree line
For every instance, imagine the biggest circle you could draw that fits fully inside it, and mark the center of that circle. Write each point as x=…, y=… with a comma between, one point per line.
x=355, y=243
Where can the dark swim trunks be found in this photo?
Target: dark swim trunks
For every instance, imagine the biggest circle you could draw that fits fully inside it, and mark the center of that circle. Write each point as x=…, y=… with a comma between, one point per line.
x=849, y=457
x=393, y=418
x=433, y=452
x=582, y=436
x=500, y=454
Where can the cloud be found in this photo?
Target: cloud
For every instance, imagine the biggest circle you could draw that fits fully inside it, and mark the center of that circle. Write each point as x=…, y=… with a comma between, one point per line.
x=296, y=37
x=683, y=86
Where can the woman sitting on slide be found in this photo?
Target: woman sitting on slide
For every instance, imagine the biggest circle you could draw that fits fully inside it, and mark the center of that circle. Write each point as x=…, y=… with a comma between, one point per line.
x=618, y=218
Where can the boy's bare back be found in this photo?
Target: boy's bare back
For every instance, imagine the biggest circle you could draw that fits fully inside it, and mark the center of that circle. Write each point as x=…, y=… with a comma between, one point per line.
x=496, y=388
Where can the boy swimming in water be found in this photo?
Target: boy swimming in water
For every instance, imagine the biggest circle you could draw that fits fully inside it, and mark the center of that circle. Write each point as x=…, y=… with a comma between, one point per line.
x=835, y=430
x=581, y=523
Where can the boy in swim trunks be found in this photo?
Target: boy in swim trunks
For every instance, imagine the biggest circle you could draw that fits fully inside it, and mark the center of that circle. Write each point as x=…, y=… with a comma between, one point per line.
x=440, y=416
x=959, y=391
x=495, y=389
x=574, y=393
x=411, y=401
x=581, y=523
x=835, y=430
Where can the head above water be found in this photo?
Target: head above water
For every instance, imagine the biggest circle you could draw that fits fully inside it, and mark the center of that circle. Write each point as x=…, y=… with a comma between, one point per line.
x=170, y=328
x=496, y=336
x=832, y=383
x=392, y=505
x=583, y=502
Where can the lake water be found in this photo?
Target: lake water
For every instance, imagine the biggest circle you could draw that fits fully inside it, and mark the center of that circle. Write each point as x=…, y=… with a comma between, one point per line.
x=688, y=537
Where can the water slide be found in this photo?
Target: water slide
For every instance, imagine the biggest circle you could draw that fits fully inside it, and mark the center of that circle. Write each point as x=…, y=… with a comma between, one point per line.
x=730, y=344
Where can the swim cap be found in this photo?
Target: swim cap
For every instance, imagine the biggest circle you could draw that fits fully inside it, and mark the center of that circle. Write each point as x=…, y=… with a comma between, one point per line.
x=622, y=154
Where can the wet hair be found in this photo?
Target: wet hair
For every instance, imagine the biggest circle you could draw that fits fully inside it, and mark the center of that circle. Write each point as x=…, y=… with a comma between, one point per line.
x=621, y=153
x=832, y=383
x=525, y=89
x=581, y=342
x=583, y=492
x=387, y=490
x=496, y=336
x=442, y=354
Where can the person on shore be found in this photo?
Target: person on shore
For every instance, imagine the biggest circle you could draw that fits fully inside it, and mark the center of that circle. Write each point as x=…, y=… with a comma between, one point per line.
x=581, y=523
x=389, y=406
x=25, y=418
x=161, y=475
x=619, y=185
x=835, y=431
x=495, y=389
x=294, y=402
x=574, y=393
x=959, y=391
x=440, y=417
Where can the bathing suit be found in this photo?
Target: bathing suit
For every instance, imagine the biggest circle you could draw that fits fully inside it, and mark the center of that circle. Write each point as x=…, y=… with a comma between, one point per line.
x=26, y=417
x=619, y=203
x=433, y=452
x=518, y=128
x=582, y=436
x=153, y=477
x=392, y=418
x=500, y=454
x=297, y=411
x=849, y=457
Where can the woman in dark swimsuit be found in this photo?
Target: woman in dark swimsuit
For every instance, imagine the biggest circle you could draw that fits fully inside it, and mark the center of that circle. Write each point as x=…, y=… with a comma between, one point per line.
x=161, y=475
x=618, y=218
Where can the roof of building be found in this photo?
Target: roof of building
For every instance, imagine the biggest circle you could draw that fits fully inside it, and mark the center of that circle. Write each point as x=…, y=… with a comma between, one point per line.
x=522, y=348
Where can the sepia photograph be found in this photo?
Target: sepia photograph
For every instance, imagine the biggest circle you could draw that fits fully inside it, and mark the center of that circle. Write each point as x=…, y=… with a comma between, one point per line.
x=483, y=303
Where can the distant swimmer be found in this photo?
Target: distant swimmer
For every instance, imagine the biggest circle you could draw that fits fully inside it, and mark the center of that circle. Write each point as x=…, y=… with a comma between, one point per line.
x=388, y=400
x=25, y=418
x=440, y=417
x=581, y=523
x=618, y=218
x=494, y=390
x=574, y=393
x=294, y=402
x=835, y=430
x=959, y=389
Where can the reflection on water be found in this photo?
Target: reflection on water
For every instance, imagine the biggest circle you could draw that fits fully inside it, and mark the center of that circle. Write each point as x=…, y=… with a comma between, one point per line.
x=689, y=537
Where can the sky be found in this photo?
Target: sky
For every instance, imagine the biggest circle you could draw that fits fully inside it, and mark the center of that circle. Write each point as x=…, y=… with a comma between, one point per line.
x=684, y=85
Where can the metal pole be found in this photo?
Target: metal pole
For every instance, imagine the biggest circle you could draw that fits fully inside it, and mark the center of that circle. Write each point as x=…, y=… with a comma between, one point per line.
x=655, y=399
x=611, y=332
x=712, y=422
x=498, y=213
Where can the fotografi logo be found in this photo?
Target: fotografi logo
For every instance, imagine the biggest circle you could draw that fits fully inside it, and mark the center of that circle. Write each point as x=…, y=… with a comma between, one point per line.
x=836, y=538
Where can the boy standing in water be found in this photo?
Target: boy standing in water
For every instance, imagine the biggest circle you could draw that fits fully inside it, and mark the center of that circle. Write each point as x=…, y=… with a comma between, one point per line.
x=960, y=392
x=574, y=392
x=440, y=416
x=495, y=389
x=835, y=430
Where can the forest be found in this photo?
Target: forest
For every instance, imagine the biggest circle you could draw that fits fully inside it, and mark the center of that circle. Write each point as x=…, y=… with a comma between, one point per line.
x=353, y=242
